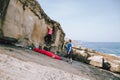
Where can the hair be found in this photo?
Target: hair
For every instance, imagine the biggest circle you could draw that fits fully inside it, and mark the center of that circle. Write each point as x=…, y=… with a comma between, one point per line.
x=70, y=40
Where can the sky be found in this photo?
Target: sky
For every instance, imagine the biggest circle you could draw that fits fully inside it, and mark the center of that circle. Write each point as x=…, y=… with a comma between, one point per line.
x=86, y=20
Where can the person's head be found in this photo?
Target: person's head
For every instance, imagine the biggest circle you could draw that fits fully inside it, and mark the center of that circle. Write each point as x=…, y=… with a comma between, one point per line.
x=70, y=40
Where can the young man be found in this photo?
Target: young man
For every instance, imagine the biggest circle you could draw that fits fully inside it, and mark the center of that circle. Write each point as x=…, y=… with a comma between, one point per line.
x=69, y=51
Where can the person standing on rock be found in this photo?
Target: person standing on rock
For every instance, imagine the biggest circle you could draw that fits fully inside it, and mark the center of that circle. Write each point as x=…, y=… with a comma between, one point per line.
x=69, y=51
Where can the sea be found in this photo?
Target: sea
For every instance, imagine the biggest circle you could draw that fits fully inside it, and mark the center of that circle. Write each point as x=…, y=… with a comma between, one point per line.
x=112, y=48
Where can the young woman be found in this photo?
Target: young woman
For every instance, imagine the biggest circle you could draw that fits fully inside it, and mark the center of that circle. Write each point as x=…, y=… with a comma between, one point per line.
x=48, y=37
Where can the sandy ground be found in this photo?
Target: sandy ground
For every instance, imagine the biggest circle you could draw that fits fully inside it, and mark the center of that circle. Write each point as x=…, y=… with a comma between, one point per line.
x=23, y=64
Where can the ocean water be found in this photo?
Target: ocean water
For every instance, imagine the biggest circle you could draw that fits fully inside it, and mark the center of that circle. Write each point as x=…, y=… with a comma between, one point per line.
x=104, y=47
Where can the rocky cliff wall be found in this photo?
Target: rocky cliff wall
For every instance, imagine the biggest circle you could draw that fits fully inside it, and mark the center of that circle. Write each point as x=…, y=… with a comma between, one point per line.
x=3, y=8
x=25, y=23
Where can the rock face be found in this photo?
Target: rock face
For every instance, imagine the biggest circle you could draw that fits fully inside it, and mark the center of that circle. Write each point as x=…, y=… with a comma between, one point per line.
x=3, y=9
x=24, y=22
x=96, y=61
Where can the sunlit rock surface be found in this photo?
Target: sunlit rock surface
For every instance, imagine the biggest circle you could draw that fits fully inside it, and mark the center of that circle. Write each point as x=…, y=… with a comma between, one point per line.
x=23, y=64
x=24, y=23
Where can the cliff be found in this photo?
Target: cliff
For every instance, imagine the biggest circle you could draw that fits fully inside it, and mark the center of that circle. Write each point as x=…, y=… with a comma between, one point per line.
x=24, y=23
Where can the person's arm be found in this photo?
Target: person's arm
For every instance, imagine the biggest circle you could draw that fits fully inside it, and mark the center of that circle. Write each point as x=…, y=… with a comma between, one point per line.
x=69, y=50
x=48, y=27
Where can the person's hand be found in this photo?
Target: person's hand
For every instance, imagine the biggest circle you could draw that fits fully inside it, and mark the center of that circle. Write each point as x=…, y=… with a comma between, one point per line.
x=67, y=52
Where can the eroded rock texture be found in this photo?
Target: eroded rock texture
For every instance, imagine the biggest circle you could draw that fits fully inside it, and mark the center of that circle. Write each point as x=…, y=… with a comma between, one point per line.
x=23, y=22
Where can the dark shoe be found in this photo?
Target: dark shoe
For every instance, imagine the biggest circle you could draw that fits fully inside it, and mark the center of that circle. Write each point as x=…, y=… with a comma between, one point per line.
x=66, y=60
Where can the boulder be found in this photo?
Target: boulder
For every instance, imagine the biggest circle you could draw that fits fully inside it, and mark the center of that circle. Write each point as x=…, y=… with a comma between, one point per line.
x=115, y=66
x=80, y=55
x=25, y=24
x=96, y=61
x=80, y=51
x=83, y=48
x=106, y=64
x=91, y=54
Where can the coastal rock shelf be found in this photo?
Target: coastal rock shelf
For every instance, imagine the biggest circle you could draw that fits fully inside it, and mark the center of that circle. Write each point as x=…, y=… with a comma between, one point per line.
x=105, y=61
x=23, y=64
x=12, y=68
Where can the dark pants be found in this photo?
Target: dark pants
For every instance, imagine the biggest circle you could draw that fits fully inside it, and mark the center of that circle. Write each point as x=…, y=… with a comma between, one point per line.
x=69, y=55
x=48, y=39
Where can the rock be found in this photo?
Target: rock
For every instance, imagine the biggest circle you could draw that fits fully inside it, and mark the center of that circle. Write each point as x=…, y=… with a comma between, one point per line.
x=26, y=23
x=12, y=68
x=76, y=47
x=91, y=54
x=80, y=51
x=106, y=65
x=53, y=49
x=23, y=64
x=80, y=55
x=115, y=66
x=96, y=61
x=84, y=55
x=83, y=48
